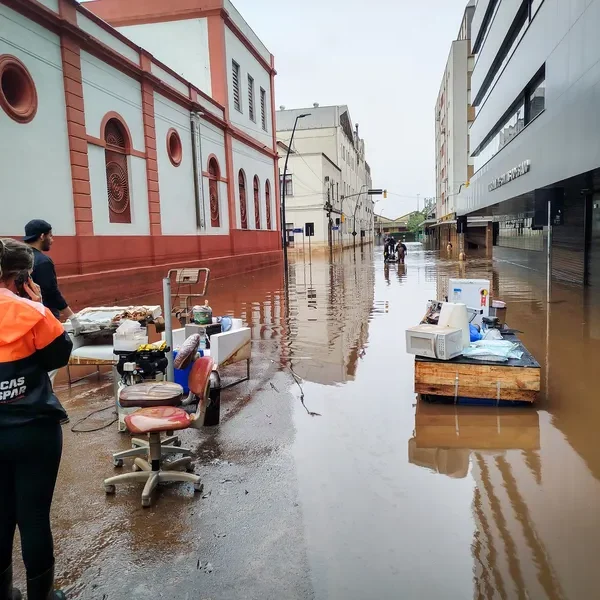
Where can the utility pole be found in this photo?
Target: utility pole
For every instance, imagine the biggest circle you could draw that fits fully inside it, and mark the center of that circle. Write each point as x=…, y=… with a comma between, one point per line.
x=329, y=224
x=283, y=190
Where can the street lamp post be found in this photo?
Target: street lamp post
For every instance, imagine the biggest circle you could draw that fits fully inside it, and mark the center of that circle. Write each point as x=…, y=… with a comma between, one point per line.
x=283, y=189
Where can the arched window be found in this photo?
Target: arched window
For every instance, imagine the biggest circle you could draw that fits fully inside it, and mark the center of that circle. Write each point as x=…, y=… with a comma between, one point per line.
x=268, y=201
x=243, y=205
x=214, y=174
x=256, y=203
x=118, y=146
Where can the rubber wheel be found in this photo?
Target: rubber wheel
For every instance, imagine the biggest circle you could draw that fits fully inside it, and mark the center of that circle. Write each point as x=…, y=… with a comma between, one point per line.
x=177, y=443
x=198, y=487
x=117, y=462
x=135, y=468
x=110, y=489
x=146, y=502
x=212, y=416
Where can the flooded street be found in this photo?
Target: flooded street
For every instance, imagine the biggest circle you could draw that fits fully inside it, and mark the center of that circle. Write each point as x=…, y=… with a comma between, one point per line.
x=360, y=491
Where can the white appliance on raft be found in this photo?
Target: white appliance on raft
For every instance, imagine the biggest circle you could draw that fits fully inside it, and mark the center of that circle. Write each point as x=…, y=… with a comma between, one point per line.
x=475, y=293
x=433, y=341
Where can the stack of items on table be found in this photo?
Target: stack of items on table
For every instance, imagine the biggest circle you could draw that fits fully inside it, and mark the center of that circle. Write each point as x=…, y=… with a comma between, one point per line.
x=95, y=332
x=470, y=325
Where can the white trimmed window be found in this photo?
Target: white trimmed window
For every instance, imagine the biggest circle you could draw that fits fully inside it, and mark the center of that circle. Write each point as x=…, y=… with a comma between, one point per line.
x=251, y=98
x=235, y=72
x=263, y=108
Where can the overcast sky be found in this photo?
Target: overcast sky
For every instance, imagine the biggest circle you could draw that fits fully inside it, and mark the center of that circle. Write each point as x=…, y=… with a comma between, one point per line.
x=383, y=58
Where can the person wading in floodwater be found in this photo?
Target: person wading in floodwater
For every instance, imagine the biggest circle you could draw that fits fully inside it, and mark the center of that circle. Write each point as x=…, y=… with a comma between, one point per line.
x=401, y=251
x=389, y=248
x=32, y=343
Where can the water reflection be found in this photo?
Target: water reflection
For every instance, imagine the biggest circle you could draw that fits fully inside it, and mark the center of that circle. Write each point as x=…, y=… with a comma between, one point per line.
x=515, y=491
x=330, y=307
x=536, y=474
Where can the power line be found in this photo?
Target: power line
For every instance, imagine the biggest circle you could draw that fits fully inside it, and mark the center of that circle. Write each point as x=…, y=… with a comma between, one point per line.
x=309, y=167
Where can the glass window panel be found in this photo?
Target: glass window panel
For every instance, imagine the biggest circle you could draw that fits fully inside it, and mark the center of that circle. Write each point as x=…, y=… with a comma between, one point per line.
x=537, y=100
x=535, y=5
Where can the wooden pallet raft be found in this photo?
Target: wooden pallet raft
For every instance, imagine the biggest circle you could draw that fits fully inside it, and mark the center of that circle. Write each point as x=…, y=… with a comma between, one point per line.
x=515, y=380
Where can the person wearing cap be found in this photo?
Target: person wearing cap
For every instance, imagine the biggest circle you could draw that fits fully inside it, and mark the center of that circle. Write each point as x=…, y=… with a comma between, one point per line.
x=38, y=234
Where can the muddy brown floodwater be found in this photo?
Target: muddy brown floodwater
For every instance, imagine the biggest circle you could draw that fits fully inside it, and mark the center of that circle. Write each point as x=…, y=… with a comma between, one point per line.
x=360, y=493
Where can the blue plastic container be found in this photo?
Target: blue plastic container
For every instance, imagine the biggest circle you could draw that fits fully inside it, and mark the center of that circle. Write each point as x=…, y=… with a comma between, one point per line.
x=181, y=375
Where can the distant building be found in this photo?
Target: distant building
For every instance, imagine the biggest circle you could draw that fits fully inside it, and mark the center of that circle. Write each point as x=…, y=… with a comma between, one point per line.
x=397, y=227
x=327, y=177
x=453, y=116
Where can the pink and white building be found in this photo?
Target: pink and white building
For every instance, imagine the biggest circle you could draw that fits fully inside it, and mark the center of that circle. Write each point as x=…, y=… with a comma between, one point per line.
x=144, y=131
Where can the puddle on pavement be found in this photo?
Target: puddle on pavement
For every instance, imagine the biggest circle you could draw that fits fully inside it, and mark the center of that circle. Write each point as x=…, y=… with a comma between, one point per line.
x=397, y=498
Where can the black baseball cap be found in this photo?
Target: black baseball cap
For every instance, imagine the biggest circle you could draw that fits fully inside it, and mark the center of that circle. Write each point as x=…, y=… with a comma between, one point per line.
x=34, y=229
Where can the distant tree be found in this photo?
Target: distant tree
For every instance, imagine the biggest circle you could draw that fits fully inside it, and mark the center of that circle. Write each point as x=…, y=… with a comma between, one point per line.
x=415, y=220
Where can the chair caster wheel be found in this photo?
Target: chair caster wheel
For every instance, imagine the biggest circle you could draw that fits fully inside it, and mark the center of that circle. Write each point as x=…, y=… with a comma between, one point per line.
x=135, y=468
x=110, y=489
x=177, y=443
x=117, y=462
x=146, y=502
x=189, y=468
x=198, y=487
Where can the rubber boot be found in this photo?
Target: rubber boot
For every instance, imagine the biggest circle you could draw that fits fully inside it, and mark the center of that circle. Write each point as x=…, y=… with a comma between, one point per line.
x=7, y=591
x=42, y=587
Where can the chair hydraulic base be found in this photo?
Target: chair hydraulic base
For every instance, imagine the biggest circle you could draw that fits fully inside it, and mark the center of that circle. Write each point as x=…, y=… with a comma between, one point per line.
x=170, y=445
x=155, y=471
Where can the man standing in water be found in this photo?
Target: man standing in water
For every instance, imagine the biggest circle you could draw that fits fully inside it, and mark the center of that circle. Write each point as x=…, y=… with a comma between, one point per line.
x=401, y=250
x=38, y=234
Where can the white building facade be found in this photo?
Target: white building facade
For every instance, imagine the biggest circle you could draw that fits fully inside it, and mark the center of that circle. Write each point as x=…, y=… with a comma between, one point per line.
x=145, y=143
x=328, y=177
x=453, y=116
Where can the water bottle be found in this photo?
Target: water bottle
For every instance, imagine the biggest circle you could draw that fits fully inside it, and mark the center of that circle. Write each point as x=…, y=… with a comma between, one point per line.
x=202, y=346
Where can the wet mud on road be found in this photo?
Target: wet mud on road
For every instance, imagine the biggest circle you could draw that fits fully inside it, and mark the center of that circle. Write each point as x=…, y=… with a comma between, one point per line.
x=363, y=492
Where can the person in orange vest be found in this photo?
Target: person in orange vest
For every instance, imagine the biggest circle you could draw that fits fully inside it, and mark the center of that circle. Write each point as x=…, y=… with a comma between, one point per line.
x=32, y=344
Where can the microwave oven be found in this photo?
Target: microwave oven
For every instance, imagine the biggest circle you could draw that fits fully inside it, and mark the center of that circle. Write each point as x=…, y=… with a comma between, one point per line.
x=433, y=341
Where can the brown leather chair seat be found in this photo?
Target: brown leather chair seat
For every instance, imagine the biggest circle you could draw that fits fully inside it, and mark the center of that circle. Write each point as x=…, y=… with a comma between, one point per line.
x=150, y=394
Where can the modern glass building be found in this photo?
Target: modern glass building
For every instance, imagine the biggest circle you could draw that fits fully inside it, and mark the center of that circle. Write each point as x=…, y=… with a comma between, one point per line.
x=535, y=140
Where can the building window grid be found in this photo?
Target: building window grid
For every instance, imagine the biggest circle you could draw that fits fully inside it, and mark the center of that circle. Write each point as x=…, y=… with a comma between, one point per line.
x=531, y=9
x=235, y=72
x=263, y=108
x=214, y=174
x=500, y=69
x=251, y=98
x=243, y=202
x=118, y=147
x=256, y=203
x=289, y=185
x=530, y=104
x=268, y=203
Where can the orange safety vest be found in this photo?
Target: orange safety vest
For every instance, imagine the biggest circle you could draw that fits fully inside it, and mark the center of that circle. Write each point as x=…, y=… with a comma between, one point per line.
x=32, y=343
